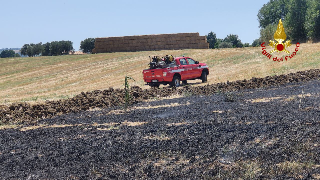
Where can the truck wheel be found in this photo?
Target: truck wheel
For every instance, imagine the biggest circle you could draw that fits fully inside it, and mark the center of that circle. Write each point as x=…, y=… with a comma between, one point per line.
x=175, y=81
x=204, y=76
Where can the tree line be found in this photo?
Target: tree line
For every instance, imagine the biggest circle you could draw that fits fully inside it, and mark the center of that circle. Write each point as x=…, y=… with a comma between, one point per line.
x=231, y=41
x=8, y=53
x=301, y=19
x=54, y=48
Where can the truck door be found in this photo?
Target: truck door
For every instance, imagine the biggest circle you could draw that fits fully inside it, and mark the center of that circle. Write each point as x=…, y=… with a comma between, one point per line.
x=195, y=72
x=185, y=69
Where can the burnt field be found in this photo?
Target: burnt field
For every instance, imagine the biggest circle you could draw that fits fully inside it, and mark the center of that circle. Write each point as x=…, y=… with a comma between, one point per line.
x=259, y=128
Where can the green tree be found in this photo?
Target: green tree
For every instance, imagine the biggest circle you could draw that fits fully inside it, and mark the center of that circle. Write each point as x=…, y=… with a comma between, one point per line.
x=87, y=45
x=234, y=40
x=212, y=39
x=256, y=43
x=30, y=50
x=271, y=12
x=65, y=47
x=17, y=55
x=301, y=19
x=7, y=53
x=312, y=21
x=219, y=41
x=267, y=33
x=24, y=49
x=46, y=49
x=295, y=20
x=55, y=48
x=37, y=49
x=225, y=45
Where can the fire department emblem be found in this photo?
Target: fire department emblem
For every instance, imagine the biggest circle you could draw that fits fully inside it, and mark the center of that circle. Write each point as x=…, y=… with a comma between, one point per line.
x=280, y=36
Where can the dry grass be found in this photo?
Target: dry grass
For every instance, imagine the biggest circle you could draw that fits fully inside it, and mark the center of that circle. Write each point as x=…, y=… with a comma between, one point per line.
x=217, y=111
x=177, y=124
x=13, y=126
x=290, y=98
x=251, y=169
x=296, y=168
x=282, y=98
x=47, y=78
x=109, y=125
x=161, y=106
x=109, y=128
x=128, y=123
x=264, y=99
x=155, y=137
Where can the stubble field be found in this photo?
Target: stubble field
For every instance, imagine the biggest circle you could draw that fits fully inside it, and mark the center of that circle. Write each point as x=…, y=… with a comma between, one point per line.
x=50, y=78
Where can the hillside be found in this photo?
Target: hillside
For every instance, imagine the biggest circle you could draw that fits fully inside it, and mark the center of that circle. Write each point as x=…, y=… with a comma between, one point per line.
x=46, y=78
x=258, y=128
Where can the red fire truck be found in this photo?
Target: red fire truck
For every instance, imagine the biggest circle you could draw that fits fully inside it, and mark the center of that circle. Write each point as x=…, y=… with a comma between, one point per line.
x=165, y=72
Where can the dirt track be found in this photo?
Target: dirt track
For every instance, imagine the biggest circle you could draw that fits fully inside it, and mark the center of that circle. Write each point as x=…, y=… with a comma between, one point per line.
x=270, y=132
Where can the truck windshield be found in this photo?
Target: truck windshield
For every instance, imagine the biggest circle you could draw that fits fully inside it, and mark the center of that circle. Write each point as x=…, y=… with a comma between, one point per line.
x=191, y=61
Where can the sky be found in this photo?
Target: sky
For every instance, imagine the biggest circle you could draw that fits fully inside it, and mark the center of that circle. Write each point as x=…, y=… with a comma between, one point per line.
x=33, y=21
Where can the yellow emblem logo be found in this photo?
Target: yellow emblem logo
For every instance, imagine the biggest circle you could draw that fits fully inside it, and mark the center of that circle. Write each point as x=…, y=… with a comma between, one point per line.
x=280, y=36
x=279, y=45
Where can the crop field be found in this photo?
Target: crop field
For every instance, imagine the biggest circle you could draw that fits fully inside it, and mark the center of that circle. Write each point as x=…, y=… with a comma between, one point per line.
x=64, y=118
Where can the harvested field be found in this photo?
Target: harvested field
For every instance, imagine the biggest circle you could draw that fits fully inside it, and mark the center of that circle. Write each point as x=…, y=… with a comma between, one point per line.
x=262, y=128
x=38, y=79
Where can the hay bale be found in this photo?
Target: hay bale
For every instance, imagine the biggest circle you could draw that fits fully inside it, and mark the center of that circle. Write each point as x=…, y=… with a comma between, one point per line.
x=151, y=42
x=132, y=38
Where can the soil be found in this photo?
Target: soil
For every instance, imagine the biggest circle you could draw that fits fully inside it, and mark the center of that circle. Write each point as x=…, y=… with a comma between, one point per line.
x=266, y=128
